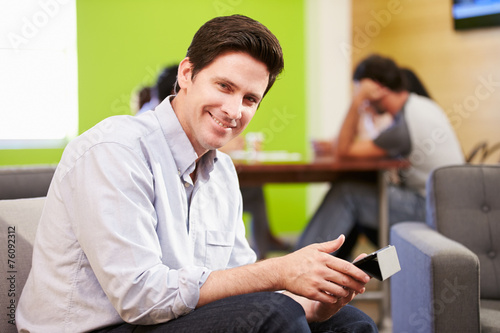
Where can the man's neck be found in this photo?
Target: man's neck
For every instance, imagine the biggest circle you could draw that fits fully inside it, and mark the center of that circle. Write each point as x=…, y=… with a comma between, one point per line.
x=193, y=174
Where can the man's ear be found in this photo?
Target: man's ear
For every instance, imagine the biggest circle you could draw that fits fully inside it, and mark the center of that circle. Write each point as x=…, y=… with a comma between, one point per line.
x=184, y=73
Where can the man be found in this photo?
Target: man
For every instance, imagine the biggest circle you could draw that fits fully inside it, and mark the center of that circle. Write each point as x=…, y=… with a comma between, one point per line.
x=142, y=227
x=420, y=131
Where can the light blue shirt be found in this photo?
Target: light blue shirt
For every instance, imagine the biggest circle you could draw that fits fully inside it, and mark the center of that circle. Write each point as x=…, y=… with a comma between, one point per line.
x=125, y=235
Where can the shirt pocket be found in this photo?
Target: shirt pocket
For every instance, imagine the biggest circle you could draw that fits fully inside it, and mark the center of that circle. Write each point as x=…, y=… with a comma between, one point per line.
x=219, y=247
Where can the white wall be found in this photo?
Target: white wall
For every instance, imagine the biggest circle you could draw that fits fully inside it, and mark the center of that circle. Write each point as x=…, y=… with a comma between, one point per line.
x=328, y=31
x=328, y=34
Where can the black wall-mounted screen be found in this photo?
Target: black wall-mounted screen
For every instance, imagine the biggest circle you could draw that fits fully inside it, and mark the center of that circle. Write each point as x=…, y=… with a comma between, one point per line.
x=470, y=14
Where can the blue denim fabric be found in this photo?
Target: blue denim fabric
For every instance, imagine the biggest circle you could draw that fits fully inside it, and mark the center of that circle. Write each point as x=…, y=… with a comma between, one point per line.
x=351, y=205
x=348, y=320
x=258, y=312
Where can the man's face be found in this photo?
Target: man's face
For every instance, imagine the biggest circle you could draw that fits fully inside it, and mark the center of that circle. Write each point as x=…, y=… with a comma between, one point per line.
x=220, y=101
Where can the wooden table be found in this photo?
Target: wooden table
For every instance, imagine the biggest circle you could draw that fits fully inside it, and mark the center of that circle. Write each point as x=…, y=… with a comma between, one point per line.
x=328, y=169
x=325, y=169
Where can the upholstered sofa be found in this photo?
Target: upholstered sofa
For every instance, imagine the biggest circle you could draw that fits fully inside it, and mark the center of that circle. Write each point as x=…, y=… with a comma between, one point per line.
x=18, y=222
x=26, y=181
x=22, y=192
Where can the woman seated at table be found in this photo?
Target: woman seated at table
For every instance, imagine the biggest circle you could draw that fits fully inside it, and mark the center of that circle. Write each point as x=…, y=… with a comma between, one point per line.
x=351, y=207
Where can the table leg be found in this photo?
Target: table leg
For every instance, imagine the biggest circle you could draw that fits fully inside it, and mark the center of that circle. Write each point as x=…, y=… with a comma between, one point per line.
x=385, y=306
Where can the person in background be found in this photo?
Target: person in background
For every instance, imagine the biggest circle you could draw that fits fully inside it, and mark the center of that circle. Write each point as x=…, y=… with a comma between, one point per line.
x=372, y=124
x=149, y=97
x=419, y=131
x=413, y=83
x=142, y=227
x=143, y=97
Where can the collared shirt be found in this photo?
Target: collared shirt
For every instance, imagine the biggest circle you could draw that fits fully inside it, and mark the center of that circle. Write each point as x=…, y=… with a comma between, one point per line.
x=125, y=235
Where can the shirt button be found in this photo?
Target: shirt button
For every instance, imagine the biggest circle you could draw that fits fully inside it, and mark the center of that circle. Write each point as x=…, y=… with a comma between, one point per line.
x=186, y=185
x=492, y=254
x=485, y=208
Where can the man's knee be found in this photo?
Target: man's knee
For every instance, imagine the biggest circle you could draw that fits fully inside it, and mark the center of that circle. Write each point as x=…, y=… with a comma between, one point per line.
x=273, y=312
x=352, y=319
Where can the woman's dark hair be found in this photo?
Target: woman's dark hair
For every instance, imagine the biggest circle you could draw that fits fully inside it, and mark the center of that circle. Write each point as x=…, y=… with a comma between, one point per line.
x=165, y=84
x=236, y=33
x=381, y=70
x=413, y=83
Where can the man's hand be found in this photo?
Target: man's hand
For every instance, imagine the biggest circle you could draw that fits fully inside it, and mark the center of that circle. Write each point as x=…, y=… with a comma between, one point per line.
x=323, y=148
x=317, y=311
x=314, y=273
x=368, y=90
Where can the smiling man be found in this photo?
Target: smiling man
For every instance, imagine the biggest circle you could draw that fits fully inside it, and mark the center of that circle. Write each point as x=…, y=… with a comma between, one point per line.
x=142, y=228
x=219, y=103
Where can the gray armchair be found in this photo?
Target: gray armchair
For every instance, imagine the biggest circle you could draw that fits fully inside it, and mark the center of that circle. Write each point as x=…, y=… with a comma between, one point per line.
x=450, y=266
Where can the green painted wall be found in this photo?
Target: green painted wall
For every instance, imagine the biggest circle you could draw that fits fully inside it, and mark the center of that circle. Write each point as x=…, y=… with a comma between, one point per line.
x=123, y=44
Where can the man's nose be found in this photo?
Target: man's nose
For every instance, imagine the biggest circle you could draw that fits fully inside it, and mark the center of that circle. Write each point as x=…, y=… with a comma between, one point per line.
x=233, y=107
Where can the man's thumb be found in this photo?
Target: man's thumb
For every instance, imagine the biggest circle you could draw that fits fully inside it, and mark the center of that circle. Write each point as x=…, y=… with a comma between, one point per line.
x=333, y=245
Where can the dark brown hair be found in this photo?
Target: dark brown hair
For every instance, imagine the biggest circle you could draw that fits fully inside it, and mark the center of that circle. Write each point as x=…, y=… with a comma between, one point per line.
x=382, y=70
x=236, y=33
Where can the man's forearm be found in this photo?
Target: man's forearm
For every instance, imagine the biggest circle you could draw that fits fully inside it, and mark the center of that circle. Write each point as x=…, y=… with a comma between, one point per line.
x=261, y=276
x=348, y=131
x=311, y=272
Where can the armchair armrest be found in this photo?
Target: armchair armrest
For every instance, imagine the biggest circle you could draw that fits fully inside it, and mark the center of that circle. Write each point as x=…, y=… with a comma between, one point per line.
x=437, y=289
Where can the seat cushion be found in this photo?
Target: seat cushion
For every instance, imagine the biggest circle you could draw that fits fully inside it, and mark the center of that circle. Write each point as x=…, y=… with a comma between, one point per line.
x=490, y=316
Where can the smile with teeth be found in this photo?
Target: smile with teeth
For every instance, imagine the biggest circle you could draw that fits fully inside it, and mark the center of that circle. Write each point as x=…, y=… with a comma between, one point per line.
x=218, y=122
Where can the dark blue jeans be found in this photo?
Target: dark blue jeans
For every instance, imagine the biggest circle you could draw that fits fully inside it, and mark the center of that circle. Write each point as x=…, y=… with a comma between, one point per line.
x=258, y=312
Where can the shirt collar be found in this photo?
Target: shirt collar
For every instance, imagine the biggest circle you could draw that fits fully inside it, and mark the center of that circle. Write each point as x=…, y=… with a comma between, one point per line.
x=182, y=150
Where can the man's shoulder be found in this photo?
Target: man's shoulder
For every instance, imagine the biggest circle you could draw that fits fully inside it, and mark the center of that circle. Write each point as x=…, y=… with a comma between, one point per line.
x=119, y=129
x=125, y=131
